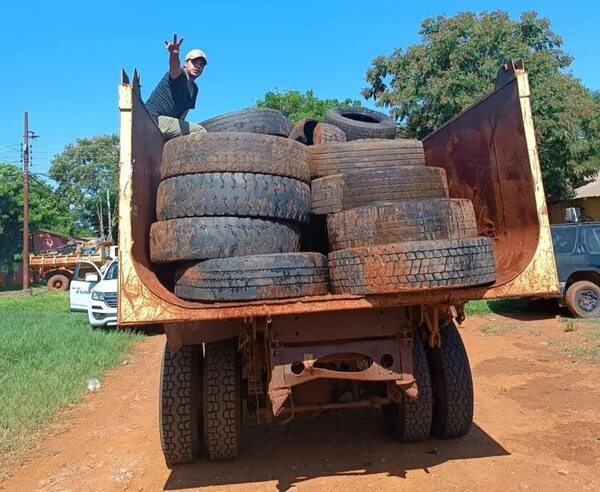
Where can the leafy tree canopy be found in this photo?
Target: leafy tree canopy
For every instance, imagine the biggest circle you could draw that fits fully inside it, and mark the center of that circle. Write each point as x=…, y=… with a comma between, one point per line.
x=296, y=105
x=84, y=172
x=456, y=63
x=45, y=212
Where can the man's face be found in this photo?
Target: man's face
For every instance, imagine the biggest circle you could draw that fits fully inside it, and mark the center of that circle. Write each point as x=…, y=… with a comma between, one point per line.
x=194, y=68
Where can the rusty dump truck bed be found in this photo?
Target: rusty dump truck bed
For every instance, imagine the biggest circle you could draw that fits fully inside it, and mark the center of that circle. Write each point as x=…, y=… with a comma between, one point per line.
x=490, y=157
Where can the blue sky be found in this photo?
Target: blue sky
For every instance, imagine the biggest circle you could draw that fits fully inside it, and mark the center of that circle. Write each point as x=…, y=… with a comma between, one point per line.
x=61, y=60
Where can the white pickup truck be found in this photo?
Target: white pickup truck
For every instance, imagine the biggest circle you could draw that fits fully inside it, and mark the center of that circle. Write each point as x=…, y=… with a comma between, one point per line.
x=95, y=293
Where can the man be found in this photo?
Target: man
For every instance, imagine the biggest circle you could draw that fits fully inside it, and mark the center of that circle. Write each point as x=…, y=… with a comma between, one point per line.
x=176, y=93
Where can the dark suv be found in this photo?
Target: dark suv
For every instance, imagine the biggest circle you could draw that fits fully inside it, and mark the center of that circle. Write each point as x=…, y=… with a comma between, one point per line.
x=577, y=253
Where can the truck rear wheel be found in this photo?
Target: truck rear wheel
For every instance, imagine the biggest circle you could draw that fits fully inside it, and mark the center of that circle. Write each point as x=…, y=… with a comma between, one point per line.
x=583, y=299
x=180, y=406
x=58, y=282
x=452, y=385
x=410, y=420
x=222, y=400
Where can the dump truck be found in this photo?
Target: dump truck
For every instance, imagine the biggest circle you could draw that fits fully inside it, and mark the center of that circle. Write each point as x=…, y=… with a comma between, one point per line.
x=58, y=268
x=282, y=358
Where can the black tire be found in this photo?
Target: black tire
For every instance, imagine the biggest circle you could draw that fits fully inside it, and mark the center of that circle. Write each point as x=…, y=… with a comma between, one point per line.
x=341, y=157
x=410, y=266
x=384, y=223
x=326, y=133
x=361, y=123
x=234, y=152
x=222, y=400
x=256, y=120
x=255, y=277
x=202, y=238
x=583, y=299
x=180, y=409
x=58, y=282
x=452, y=385
x=303, y=131
x=359, y=188
x=233, y=194
x=410, y=420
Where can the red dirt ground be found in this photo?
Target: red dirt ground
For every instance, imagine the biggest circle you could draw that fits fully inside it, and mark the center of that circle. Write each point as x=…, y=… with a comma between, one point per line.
x=537, y=426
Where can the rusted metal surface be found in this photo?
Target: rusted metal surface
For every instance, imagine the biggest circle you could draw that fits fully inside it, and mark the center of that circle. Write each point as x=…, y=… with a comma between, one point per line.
x=488, y=152
x=490, y=157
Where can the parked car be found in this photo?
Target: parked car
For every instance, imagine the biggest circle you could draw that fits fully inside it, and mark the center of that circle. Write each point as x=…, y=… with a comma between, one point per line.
x=577, y=253
x=95, y=293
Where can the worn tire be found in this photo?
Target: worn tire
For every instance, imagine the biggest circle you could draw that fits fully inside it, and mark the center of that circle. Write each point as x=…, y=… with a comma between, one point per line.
x=419, y=220
x=234, y=152
x=303, y=131
x=341, y=157
x=180, y=410
x=255, y=277
x=58, y=282
x=233, y=194
x=255, y=120
x=410, y=420
x=202, y=238
x=452, y=385
x=359, y=188
x=222, y=400
x=411, y=266
x=326, y=133
x=361, y=123
x=583, y=299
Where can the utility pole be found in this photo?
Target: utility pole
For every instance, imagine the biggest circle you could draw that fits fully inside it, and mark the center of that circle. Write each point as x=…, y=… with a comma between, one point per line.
x=26, y=156
x=26, y=203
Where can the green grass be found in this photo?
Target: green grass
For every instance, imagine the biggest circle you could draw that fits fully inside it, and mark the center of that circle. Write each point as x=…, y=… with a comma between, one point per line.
x=481, y=308
x=47, y=354
x=497, y=328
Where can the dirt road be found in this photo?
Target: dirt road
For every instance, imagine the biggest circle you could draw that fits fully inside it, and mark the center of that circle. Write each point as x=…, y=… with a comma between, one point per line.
x=537, y=426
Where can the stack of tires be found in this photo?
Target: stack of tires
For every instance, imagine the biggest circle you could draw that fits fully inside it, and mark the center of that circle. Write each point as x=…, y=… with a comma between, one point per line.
x=229, y=207
x=390, y=223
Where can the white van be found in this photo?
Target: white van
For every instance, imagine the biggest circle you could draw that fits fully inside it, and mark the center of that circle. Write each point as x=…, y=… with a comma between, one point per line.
x=95, y=293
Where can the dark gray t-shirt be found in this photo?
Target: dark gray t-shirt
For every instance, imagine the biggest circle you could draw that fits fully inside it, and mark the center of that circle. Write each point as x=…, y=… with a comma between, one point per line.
x=172, y=97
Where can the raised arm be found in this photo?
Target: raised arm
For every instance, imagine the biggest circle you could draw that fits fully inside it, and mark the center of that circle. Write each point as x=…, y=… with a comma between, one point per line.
x=174, y=61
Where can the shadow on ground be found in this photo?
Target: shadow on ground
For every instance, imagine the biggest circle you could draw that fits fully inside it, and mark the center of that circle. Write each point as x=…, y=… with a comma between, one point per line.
x=337, y=444
x=527, y=309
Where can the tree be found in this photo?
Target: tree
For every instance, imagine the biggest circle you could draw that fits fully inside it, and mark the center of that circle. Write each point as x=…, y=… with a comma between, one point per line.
x=296, y=105
x=456, y=63
x=84, y=172
x=45, y=212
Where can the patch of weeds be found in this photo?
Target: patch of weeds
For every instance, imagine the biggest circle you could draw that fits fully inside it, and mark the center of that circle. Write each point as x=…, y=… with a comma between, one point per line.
x=499, y=306
x=497, y=328
x=569, y=326
x=584, y=352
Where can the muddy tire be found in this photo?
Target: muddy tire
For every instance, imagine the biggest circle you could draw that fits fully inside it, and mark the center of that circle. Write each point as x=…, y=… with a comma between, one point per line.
x=180, y=408
x=233, y=194
x=326, y=133
x=202, y=238
x=583, y=299
x=360, y=188
x=58, y=282
x=410, y=420
x=256, y=120
x=419, y=220
x=368, y=155
x=360, y=123
x=222, y=400
x=234, y=152
x=412, y=266
x=303, y=131
x=452, y=385
x=255, y=277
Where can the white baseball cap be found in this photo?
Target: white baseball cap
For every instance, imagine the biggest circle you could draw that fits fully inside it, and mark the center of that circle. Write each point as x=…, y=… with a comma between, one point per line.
x=195, y=53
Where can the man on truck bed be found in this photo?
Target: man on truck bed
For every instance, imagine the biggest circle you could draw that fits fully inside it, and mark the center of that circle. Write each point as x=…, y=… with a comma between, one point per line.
x=176, y=92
